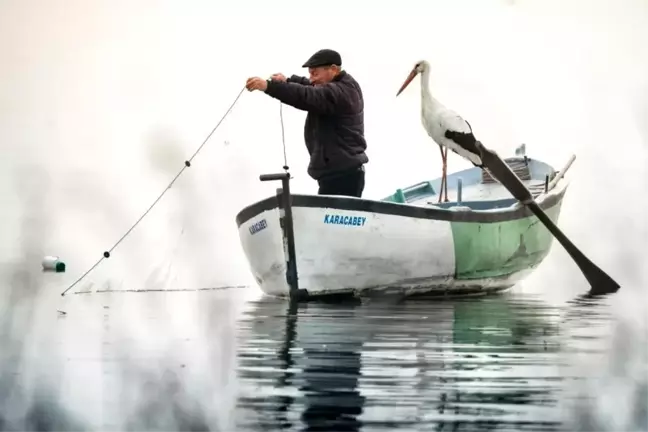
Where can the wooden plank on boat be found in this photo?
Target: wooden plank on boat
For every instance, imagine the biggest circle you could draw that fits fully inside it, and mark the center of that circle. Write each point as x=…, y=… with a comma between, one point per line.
x=519, y=166
x=536, y=189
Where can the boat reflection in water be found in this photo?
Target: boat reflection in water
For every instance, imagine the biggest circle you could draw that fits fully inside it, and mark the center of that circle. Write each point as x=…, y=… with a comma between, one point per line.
x=487, y=364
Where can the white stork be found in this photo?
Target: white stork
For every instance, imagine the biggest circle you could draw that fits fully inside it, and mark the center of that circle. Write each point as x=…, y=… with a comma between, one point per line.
x=444, y=126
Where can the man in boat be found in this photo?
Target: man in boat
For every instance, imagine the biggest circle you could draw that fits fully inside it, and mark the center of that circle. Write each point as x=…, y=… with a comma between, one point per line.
x=334, y=128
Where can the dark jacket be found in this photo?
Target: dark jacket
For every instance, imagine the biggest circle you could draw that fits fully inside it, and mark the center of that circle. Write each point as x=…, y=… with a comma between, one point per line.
x=334, y=128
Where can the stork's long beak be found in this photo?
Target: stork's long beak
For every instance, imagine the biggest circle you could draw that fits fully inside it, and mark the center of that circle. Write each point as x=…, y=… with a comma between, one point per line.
x=407, y=81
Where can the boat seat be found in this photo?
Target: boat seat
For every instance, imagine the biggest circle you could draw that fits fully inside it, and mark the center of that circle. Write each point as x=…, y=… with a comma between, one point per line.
x=421, y=189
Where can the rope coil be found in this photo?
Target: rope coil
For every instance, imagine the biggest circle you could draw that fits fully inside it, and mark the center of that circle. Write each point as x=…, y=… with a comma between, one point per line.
x=187, y=164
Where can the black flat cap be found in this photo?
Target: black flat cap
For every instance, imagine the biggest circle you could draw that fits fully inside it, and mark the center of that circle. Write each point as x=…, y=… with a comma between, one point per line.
x=324, y=57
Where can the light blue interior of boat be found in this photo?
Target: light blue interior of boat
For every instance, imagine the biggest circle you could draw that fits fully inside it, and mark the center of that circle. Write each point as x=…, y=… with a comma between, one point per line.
x=476, y=195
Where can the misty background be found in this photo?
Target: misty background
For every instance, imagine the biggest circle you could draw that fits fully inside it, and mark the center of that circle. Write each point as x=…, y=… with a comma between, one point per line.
x=102, y=102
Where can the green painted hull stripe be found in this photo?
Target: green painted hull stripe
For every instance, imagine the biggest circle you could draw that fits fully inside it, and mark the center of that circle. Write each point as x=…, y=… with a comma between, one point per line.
x=484, y=250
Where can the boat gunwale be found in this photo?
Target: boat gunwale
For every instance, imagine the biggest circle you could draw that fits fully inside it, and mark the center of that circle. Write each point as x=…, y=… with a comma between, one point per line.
x=346, y=203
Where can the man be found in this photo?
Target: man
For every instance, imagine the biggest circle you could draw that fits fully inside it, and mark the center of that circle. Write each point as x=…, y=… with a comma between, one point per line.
x=334, y=128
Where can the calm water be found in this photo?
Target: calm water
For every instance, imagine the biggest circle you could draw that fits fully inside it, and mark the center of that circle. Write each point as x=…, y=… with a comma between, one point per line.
x=499, y=363
x=214, y=360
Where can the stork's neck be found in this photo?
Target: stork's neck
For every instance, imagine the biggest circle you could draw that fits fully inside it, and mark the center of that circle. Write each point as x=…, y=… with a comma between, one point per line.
x=428, y=101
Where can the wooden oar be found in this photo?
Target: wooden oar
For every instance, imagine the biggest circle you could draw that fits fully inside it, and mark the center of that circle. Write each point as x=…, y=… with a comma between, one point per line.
x=600, y=282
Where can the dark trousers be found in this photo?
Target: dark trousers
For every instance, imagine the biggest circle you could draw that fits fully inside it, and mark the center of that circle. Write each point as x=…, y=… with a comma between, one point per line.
x=350, y=183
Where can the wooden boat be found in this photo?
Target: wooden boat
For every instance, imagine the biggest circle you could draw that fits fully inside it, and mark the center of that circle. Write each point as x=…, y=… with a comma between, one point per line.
x=482, y=241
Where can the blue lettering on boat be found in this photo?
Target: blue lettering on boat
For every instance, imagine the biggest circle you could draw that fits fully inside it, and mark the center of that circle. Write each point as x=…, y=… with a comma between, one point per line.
x=334, y=219
x=261, y=225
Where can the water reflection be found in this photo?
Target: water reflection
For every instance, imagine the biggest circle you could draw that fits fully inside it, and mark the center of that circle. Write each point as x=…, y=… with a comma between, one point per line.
x=487, y=364
x=165, y=361
x=288, y=364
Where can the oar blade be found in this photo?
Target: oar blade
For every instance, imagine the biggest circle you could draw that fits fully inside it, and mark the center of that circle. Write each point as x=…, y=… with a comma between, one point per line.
x=600, y=282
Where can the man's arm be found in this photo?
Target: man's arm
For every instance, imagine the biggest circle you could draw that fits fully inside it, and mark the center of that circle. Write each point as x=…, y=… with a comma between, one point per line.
x=298, y=80
x=324, y=99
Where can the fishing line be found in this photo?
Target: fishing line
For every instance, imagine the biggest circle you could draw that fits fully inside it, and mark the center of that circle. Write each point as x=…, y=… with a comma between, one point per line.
x=147, y=290
x=187, y=164
x=283, y=136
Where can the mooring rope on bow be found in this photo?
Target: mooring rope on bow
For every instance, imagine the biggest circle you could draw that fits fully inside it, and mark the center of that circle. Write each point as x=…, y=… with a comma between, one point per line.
x=187, y=164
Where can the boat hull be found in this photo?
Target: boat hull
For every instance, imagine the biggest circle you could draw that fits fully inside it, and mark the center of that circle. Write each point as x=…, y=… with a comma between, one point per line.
x=364, y=247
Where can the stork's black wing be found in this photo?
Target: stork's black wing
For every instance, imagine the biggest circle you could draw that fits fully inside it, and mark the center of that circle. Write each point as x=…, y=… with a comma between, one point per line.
x=464, y=140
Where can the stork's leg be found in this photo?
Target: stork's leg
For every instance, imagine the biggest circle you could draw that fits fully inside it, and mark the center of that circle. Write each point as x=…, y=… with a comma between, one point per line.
x=445, y=174
x=442, y=174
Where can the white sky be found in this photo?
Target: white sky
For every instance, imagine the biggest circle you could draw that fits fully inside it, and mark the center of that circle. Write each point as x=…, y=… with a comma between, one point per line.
x=109, y=98
x=102, y=101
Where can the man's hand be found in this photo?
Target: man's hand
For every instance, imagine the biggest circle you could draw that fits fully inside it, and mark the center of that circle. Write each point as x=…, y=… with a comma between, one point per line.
x=278, y=77
x=256, y=83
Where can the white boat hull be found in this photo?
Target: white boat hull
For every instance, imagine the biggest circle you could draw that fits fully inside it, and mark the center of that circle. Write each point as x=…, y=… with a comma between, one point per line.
x=392, y=249
x=344, y=247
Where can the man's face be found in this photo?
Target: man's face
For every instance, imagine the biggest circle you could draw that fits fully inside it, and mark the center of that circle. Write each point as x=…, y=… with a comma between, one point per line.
x=322, y=74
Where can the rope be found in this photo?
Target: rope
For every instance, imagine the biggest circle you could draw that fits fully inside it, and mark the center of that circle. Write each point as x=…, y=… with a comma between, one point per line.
x=187, y=164
x=283, y=136
x=146, y=290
